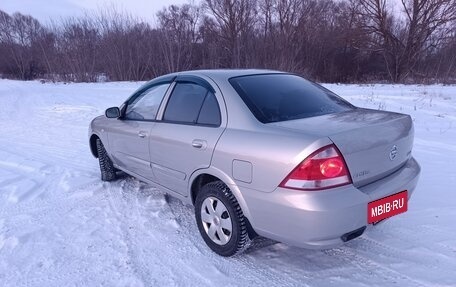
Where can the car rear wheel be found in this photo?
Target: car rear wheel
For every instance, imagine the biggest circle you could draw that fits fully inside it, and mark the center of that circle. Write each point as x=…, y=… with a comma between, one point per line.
x=108, y=172
x=220, y=219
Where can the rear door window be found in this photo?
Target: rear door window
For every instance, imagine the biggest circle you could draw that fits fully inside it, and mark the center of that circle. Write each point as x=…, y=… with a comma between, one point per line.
x=191, y=103
x=282, y=97
x=210, y=111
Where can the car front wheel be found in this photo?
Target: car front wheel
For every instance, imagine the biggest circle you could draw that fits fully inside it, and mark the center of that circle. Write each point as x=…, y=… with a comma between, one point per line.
x=108, y=172
x=220, y=219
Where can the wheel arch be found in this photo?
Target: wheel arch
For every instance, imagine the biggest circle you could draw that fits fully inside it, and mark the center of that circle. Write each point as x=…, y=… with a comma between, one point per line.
x=93, y=145
x=204, y=176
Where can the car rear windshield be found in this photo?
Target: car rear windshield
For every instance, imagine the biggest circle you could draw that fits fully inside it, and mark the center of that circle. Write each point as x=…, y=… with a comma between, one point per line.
x=283, y=97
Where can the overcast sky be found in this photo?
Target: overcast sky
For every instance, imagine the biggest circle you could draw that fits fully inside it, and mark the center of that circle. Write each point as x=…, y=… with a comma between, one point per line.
x=44, y=10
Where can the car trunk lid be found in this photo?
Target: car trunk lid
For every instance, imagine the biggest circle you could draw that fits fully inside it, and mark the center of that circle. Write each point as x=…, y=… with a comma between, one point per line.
x=373, y=143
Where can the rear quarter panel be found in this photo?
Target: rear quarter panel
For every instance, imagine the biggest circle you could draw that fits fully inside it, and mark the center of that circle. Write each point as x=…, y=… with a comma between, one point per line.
x=272, y=153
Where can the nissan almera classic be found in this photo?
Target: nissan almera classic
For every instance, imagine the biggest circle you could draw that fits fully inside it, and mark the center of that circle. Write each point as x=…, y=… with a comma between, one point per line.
x=261, y=153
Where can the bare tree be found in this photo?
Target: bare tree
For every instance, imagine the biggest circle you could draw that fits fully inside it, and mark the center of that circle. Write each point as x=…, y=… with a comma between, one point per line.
x=326, y=40
x=179, y=31
x=235, y=20
x=211, y=50
x=126, y=47
x=77, y=44
x=403, y=45
x=5, y=27
x=19, y=35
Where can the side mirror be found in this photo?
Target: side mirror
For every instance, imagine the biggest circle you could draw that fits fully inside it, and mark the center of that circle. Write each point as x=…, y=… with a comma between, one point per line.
x=112, y=113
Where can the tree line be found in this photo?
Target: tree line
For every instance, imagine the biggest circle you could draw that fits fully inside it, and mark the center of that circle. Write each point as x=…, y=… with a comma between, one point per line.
x=325, y=40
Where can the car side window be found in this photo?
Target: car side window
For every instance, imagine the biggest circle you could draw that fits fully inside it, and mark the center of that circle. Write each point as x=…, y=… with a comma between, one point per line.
x=185, y=103
x=145, y=106
x=210, y=111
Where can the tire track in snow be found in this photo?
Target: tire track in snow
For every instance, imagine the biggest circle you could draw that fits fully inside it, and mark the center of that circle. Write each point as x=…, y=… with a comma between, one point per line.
x=29, y=181
x=257, y=274
x=132, y=223
x=383, y=272
x=35, y=225
x=113, y=195
x=420, y=235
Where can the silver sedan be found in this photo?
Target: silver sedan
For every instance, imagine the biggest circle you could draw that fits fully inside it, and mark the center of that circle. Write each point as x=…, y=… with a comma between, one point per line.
x=261, y=153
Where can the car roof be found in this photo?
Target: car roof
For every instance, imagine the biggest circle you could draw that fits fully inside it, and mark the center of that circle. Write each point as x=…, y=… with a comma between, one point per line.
x=224, y=74
x=217, y=75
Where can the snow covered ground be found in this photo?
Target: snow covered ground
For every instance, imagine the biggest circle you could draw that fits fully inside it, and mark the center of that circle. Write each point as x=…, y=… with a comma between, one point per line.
x=61, y=226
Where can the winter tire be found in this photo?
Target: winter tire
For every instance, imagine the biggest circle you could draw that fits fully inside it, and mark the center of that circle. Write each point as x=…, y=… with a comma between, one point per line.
x=108, y=172
x=220, y=219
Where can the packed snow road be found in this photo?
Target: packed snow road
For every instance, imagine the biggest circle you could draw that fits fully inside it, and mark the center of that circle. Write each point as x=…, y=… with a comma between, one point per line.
x=61, y=226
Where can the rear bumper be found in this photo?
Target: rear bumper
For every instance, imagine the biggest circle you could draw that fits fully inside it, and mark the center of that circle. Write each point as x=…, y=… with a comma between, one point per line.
x=322, y=219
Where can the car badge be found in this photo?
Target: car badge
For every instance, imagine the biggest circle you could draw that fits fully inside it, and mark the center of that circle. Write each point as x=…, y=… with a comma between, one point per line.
x=393, y=152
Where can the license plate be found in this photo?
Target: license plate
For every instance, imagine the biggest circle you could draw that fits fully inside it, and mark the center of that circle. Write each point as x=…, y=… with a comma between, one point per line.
x=386, y=207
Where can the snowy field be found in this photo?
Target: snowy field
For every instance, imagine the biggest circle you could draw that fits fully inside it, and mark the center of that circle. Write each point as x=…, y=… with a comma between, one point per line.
x=61, y=226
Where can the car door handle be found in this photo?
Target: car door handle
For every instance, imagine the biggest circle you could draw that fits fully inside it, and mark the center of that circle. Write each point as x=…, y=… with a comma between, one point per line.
x=199, y=144
x=142, y=134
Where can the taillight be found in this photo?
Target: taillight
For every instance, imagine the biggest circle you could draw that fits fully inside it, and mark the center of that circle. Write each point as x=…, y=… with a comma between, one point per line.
x=323, y=169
